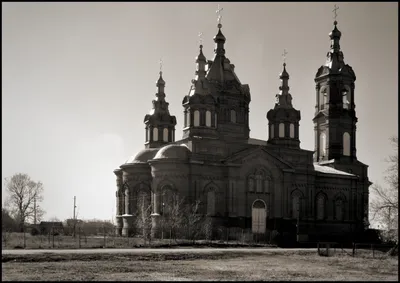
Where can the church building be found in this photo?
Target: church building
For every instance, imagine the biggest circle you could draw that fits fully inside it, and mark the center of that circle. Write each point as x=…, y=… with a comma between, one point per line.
x=259, y=185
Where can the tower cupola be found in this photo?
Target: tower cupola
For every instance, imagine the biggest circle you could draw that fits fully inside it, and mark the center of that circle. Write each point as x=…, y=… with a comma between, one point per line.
x=283, y=120
x=160, y=124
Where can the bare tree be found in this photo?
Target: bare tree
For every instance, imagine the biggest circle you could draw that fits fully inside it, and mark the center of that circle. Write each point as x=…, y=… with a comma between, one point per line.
x=143, y=217
x=384, y=202
x=193, y=219
x=23, y=196
x=175, y=215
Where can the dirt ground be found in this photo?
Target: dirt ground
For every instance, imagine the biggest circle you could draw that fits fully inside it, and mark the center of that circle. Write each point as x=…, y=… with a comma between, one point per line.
x=193, y=266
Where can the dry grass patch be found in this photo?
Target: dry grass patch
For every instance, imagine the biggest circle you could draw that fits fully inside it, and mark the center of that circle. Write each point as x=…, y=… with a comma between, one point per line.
x=230, y=265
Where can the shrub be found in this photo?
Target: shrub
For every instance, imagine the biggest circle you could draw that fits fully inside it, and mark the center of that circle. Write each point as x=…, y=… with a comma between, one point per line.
x=34, y=231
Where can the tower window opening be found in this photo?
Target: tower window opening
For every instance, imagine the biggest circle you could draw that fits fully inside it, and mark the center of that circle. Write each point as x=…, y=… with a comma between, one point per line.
x=188, y=118
x=346, y=144
x=292, y=130
x=281, y=130
x=346, y=98
x=165, y=135
x=322, y=144
x=272, y=131
x=208, y=118
x=196, y=118
x=155, y=134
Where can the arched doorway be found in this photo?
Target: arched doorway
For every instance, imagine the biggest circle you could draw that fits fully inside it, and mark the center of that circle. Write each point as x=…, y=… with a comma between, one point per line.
x=258, y=217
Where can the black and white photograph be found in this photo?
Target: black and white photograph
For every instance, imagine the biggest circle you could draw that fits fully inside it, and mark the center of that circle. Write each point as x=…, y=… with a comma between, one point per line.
x=199, y=141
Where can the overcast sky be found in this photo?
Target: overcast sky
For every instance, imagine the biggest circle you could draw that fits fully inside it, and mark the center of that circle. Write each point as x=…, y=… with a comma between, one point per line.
x=78, y=79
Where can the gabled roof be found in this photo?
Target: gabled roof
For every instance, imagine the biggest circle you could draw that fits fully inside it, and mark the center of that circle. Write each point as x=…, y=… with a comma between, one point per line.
x=259, y=150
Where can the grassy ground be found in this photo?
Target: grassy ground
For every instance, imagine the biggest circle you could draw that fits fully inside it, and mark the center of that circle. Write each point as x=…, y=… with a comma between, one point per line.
x=229, y=265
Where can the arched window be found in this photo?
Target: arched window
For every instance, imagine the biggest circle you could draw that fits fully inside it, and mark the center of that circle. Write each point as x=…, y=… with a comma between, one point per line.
x=323, y=100
x=155, y=134
x=272, y=131
x=250, y=182
x=322, y=144
x=320, y=206
x=339, y=209
x=147, y=134
x=281, y=130
x=346, y=94
x=208, y=118
x=165, y=134
x=259, y=182
x=211, y=202
x=346, y=144
x=215, y=120
x=295, y=205
x=258, y=217
x=143, y=204
x=188, y=118
x=167, y=200
x=196, y=122
x=233, y=116
x=292, y=130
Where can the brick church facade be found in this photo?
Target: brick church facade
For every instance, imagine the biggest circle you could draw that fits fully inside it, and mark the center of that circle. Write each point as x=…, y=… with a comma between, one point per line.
x=262, y=185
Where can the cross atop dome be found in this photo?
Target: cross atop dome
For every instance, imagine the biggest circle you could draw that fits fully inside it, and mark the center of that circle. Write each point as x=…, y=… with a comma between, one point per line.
x=219, y=10
x=335, y=14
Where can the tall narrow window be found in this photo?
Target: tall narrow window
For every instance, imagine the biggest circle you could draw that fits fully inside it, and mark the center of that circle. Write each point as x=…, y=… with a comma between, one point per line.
x=259, y=182
x=339, y=209
x=147, y=134
x=250, y=184
x=233, y=116
x=165, y=134
x=188, y=118
x=295, y=206
x=208, y=118
x=211, y=202
x=320, y=207
x=155, y=134
x=322, y=144
x=272, y=131
x=267, y=183
x=346, y=144
x=281, y=130
x=215, y=120
x=323, y=98
x=346, y=97
x=196, y=122
x=292, y=131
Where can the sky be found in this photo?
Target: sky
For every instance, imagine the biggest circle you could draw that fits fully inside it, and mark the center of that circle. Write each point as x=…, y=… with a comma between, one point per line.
x=78, y=79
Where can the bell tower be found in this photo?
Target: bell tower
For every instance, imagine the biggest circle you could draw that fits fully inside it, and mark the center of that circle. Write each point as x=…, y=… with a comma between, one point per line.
x=335, y=117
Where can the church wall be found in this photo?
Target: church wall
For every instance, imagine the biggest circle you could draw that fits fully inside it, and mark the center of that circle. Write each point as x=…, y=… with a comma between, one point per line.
x=168, y=173
x=206, y=177
x=333, y=187
x=135, y=177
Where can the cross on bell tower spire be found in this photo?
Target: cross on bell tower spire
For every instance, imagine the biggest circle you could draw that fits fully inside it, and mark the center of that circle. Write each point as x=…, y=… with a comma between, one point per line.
x=335, y=13
x=284, y=56
x=219, y=10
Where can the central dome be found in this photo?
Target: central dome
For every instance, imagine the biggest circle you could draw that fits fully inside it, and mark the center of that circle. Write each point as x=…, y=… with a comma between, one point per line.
x=173, y=151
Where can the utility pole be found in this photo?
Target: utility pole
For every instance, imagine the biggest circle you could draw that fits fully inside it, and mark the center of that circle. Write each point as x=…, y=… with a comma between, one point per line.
x=74, y=220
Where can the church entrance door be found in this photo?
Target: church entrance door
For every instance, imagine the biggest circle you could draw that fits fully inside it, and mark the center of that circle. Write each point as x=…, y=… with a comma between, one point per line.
x=258, y=217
